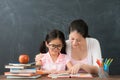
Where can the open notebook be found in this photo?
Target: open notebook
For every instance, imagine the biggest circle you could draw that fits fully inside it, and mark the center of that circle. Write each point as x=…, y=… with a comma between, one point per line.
x=82, y=75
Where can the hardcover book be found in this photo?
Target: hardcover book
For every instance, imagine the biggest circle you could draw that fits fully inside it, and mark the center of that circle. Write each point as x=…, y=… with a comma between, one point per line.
x=18, y=67
x=34, y=77
x=30, y=70
x=19, y=74
x=19, y=64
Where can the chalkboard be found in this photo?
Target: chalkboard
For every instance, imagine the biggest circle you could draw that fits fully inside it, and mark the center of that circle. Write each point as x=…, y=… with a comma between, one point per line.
x=24, y=24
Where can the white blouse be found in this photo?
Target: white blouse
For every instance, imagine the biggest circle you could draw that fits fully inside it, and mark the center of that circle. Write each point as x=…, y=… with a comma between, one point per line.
x=93, y=49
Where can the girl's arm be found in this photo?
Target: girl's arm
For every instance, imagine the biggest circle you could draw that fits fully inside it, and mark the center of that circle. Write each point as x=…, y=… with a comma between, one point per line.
x=69, y=65
x=49, y=71
x=40, y=71
x=38, y=60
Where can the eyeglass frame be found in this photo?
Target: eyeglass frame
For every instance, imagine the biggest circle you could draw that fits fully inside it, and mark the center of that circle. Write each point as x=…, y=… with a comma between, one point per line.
x=53, y=46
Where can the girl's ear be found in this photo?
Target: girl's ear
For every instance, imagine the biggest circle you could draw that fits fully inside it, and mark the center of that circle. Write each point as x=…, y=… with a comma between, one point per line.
x=46, y=44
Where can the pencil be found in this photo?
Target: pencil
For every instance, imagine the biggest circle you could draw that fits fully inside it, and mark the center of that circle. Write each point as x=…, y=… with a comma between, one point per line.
x=110, y=62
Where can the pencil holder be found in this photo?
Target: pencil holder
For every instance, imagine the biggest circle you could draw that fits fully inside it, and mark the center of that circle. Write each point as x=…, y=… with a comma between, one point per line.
x=106, y=70
x=102, y=73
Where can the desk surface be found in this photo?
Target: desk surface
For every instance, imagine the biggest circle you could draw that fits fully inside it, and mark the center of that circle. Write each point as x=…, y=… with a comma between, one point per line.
x=113, y=77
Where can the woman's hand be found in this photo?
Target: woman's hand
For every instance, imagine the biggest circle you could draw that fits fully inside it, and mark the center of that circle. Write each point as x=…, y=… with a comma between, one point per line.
x=75, y=69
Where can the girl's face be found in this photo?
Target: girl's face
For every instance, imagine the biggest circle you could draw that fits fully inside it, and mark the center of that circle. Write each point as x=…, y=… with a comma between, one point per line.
x=54, y=46
x=77, y=40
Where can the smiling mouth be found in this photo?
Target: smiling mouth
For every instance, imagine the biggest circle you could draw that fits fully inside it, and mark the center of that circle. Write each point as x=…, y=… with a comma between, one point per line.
x=75, y=45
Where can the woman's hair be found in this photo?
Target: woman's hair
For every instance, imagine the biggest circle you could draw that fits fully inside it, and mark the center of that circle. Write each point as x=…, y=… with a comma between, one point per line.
x=80, y=26
x=51, y=36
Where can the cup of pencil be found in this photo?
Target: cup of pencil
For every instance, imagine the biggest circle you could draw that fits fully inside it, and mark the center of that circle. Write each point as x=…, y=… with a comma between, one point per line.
x=107, y=64
x=103, y=71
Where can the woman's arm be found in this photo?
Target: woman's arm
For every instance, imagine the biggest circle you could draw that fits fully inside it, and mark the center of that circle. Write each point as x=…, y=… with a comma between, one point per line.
x=95, y=53
x=89, y=68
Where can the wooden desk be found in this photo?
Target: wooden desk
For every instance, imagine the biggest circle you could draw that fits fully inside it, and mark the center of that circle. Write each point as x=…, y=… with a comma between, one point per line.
x=113, y=77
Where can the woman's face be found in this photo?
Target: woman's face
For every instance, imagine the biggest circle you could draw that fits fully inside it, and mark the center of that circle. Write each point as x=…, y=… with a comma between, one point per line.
x=77, y=40
x=54, y=46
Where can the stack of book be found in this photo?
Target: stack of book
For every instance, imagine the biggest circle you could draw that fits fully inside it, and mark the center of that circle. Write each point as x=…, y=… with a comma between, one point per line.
x=18, y=70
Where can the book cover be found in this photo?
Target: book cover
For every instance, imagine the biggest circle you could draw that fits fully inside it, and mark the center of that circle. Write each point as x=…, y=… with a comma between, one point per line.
x=19, y=67
x=81, y=75
x=19, y=64
x=11, y=66
x=16, y=70
x=19, y=74
x=34, y=77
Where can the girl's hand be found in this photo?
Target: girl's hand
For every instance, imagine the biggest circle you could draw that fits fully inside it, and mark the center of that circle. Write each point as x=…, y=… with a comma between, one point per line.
x=75, y=69
x=38, y=59
x=57, y=72
x=51, y=71
x=62, y=72
x=46, y=71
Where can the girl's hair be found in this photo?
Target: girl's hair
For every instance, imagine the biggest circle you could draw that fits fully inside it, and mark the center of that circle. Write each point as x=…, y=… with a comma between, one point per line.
x=51, y=36
x=80, y=26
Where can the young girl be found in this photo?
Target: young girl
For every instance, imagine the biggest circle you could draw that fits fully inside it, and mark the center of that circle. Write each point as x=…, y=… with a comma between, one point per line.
x=55, y=59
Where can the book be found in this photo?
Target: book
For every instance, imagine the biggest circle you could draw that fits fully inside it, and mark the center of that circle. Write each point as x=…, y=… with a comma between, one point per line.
x=17, y=70
x=19, y=64
x=40, y=72
x=81, y=75
x=19, y=74
x=18, y=67
x=34, y=77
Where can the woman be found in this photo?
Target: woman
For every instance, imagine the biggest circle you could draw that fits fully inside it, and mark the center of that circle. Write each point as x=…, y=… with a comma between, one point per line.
x=82, y=49
x=54, y=59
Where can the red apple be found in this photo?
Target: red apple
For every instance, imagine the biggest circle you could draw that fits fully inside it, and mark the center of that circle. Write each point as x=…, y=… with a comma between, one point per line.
x=24, y=58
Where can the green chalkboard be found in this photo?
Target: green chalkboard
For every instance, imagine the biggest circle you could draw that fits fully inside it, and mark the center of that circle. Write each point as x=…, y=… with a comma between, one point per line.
x=24, y=24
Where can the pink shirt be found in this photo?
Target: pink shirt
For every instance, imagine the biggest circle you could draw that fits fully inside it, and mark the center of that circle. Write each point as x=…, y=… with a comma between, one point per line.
x=58, y=65
x=83, y=61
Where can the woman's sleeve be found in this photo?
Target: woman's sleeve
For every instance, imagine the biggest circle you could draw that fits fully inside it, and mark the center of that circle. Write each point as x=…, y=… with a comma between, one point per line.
x=96, y=51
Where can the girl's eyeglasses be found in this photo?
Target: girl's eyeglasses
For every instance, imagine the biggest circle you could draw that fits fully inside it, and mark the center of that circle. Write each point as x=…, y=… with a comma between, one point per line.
x=53, y=46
